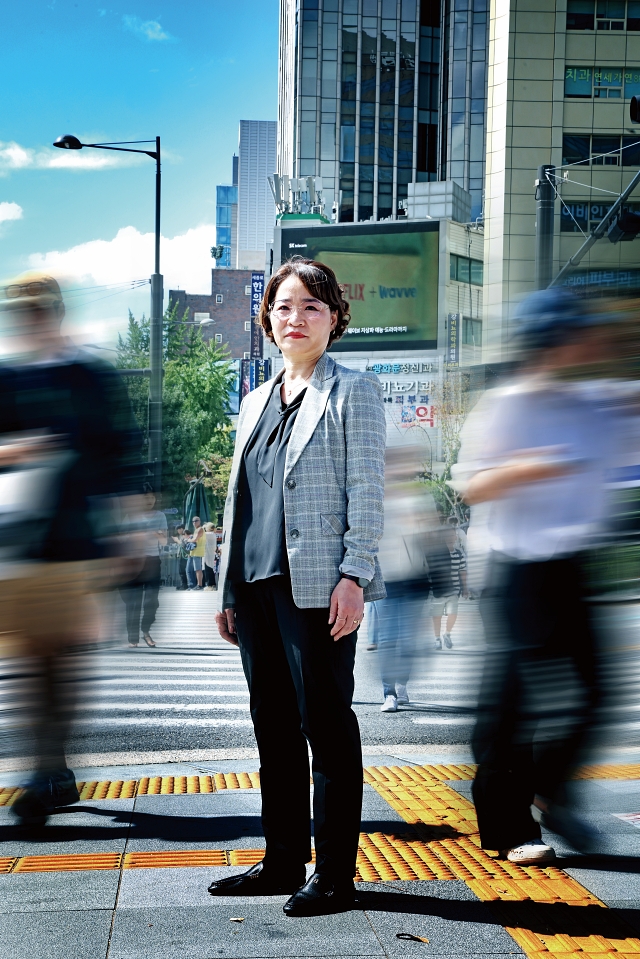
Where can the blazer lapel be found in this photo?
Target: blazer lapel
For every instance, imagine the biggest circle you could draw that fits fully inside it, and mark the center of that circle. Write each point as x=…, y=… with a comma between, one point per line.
x=311, y=410
x=253, y=412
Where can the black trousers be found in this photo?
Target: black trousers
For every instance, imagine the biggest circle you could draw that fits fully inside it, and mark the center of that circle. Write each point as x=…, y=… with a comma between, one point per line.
x=539, y=691
x=140, y=596
x=301, y=688
x=182, y=571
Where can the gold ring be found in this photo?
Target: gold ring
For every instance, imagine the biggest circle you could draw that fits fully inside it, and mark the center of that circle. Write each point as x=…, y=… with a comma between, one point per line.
x=356, y=622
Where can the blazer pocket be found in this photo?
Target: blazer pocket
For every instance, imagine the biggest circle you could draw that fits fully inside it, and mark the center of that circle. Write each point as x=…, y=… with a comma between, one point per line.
x=332, y=524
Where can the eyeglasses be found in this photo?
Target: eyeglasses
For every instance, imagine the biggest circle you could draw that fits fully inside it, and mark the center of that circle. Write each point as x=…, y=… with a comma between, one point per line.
x=310, y=310
x=35, y=288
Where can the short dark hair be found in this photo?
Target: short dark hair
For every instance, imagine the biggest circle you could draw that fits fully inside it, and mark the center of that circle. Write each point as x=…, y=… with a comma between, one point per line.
x=320, y=281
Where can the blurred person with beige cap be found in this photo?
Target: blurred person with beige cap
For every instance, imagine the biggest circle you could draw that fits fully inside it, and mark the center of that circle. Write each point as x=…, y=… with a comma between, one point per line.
x=68, y=447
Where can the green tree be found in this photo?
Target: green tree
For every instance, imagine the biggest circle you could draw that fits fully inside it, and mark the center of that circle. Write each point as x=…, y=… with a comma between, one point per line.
x=197, y=380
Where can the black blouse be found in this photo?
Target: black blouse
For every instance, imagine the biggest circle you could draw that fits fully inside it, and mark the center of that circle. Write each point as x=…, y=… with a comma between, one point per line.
x=258, y=541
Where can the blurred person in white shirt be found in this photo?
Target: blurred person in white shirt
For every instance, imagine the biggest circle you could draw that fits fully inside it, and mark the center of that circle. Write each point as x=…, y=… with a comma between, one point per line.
x=533, y=458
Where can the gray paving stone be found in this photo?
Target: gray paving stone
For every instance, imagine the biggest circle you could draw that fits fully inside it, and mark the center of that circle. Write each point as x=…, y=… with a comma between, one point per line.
x=47, y=891
x=201, y=821
x=53, y=935
x=86, y=827
x=208, y=933
x=447, y=913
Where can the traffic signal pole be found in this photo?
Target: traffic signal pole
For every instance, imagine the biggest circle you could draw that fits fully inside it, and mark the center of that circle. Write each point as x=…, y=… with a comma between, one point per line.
x=545, y=196
x=599, y=231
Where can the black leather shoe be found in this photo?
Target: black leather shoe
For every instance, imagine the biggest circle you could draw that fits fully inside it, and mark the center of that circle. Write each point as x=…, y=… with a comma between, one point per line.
x=258, y=881
x=320, y=896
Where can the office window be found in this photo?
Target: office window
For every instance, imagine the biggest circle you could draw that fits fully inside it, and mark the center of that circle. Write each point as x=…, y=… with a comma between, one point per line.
x=603, y=15
x=580, y=14
x=601, y=151
x=219, y=298
x=631, y=150
x=607, y=82
x=610, y=14
x=602, y=82
x=576, y=216
x=201, y=317
x=605, y=151
x=247, y=326
x=575, y=149
x=465, y=270
x=247, y=291
x=471, y=332
x=218, y=337
x=247, y=355
x=578, y=82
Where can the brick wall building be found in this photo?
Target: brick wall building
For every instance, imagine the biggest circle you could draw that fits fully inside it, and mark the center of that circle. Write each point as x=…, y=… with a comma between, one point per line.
x=228, y=305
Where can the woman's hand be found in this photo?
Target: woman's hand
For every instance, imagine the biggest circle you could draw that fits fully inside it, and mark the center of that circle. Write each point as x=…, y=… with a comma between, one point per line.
x=226, y=623
x=347, y=608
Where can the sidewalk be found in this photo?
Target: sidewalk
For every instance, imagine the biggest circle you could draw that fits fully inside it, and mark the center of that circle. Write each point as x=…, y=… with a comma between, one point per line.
x=124, y=873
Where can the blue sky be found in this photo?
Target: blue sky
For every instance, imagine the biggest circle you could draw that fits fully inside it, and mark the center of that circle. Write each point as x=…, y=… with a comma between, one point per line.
x=186, y=71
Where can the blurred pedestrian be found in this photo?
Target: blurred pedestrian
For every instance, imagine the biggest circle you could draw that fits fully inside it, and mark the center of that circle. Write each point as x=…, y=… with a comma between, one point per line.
x=409, y=514
x=302, y=522
x=537, y=452
x=179, y=538
x=195, y=561
x=69, y=447
x=448, y=574
x=210, y=544
x=140, y=594
x=216, y=567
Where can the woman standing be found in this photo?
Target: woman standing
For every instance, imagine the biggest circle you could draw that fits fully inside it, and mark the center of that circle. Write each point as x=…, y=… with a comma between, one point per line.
x=302, y=522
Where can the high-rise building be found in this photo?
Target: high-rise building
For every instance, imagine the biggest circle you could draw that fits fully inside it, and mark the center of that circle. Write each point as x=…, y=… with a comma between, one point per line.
x=561, y=75
x=256, y=209
x=363, y=102
x=227, y=221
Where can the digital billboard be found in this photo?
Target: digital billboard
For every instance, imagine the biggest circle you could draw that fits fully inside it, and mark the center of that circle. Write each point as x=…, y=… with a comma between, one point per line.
x=390, y=276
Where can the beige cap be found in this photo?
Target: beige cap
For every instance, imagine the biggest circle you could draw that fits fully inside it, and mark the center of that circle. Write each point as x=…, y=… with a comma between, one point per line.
x=34, y=288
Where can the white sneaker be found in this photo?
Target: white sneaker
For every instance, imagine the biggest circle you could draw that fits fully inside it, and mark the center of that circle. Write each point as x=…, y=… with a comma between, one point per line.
x=401, y=695
x=447, y=640
x=438, y=643
x=530, y=853
x=390, y=705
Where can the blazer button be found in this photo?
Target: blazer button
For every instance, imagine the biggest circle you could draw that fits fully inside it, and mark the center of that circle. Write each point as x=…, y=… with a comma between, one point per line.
x=294, y=533
x=291, y=484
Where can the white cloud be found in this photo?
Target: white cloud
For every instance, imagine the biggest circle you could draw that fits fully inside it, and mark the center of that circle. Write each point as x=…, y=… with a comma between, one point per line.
x=10, y=211
x=98, y=315
x=149, y=30
x=185, y=259
x=16, y=157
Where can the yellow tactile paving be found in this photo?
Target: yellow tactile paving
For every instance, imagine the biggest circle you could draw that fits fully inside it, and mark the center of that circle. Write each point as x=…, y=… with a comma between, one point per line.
x=547, y=913
x=389, y=775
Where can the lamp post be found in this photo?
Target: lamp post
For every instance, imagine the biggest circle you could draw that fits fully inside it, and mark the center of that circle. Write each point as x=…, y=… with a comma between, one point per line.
x=155, y=347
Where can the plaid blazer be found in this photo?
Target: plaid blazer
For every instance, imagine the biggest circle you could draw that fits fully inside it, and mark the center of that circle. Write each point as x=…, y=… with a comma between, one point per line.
x=333, y=483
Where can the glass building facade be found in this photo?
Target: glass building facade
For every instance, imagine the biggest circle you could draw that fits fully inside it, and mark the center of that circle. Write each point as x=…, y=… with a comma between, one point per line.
x=364, y=104
x=227, y=221
x=464, y=96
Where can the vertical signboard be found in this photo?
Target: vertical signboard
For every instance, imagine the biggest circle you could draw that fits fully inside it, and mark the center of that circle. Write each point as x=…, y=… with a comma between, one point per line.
x=257, y=291
x=253, y=374
x=245, y=378
x=454, y=324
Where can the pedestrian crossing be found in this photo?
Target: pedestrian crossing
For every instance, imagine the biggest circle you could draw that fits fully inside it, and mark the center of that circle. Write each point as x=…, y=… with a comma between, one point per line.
x=444, y=684
x=191, y=681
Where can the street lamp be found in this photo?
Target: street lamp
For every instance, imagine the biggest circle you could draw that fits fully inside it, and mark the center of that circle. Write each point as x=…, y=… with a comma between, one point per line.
x=69, y=142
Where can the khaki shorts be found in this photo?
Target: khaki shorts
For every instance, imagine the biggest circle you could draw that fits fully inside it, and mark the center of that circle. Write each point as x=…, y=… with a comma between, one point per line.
x=50, y=607
x=444, y=605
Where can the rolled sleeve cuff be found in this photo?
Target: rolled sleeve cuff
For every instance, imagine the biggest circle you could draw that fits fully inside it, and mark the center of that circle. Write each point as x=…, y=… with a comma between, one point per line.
x=355, y=571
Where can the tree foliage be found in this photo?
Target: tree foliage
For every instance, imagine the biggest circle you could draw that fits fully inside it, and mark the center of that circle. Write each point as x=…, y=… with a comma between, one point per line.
x=197, y=380
x=452, y=401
